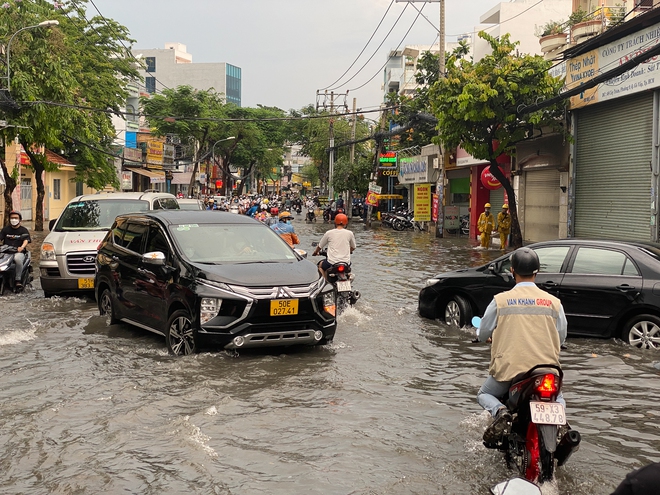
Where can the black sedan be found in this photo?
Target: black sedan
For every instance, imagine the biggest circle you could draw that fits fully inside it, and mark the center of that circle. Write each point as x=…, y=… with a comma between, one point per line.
x=608, y=288
x=204, y=278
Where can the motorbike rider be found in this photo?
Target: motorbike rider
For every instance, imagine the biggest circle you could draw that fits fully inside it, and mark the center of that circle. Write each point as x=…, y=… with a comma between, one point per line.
x=527, y=327
x=17, y=236
x=340, y=243
x=285, y=230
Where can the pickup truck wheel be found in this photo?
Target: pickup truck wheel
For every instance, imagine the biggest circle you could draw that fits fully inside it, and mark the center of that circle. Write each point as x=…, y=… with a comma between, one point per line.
x=642, y=331
x=458, y=312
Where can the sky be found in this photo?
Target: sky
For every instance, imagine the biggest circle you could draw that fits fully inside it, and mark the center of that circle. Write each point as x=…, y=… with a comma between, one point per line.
x=288, y=49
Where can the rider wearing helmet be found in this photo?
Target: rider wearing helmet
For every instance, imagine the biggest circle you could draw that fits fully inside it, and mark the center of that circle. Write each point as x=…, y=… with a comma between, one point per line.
x=527, y=327
x=17, y=236
x=285, y=230
x=340, y=243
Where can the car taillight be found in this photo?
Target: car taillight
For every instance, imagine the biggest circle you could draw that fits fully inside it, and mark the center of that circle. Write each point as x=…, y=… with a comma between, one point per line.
x=341, y=268
x=546, y=386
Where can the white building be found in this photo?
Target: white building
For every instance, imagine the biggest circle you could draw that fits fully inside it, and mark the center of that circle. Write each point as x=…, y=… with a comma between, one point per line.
x=173, y=66
x=399, y=73
x=523, y=20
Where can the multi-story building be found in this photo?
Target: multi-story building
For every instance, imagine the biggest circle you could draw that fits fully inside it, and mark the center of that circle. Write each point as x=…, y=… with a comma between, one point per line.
x=173, y=66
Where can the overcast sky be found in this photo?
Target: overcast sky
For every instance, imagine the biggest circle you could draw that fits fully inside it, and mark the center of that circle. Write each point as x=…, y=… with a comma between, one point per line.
x=288, y=49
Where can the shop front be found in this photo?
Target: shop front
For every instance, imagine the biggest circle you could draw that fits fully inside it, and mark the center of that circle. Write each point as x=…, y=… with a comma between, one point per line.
x=419, y=180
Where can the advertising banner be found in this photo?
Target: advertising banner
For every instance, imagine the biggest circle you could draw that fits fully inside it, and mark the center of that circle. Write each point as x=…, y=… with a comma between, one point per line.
x=588, y=65
x=422, y=202
x=452, y=218
x=435, y=203
x=168, y=154
x=127, y=180
x=413, y=170
x=371, y=199
x=155, y=154
x=133, y=155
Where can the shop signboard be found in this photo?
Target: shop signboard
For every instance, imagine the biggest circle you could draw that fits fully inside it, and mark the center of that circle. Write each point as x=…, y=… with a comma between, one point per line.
x=584, y=67
x=465, y=159
x=155, y=154
x=435, y=204
x=127, y=180
x=158, y=180
x=387, y=161
x=375, y=188
x=413, y=170
x=371, y=199
x=452, y=217
x=422, y=201
x=489, y=181
x=133, y=155
x=168, y=154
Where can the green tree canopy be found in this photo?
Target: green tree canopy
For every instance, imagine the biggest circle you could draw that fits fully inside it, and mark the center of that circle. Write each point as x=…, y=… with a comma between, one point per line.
x=477, y=106
x=66, y=82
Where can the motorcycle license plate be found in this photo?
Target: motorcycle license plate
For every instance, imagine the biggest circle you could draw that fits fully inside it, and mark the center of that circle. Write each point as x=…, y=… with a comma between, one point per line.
x=284, y=307
x=344, y=286
x=547, y=413
x=85, y=283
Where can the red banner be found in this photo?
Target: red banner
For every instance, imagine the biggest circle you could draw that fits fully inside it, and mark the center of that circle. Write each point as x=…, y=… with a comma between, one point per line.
x=435, y=206
x=372, y=199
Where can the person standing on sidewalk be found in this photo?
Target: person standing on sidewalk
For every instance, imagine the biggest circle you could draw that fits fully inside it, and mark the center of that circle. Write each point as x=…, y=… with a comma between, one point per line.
x=504, y=225
x=486, y=224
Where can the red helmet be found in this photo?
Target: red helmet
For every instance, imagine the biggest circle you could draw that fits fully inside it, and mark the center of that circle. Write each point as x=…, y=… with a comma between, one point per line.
x=274, y=211
x=341, y=219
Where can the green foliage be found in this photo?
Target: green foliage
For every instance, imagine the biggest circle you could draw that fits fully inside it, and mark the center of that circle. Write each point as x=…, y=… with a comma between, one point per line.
x=478, y=103
x=552, y=27
x=578, y=16
x=352, y=176
x=75, y=64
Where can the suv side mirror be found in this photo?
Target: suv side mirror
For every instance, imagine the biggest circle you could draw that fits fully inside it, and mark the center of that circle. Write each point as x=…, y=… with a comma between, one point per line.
x=492, y=267
x=154, y=258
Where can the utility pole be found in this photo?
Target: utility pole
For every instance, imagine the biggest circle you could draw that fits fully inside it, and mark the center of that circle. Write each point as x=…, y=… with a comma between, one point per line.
x=349, y=199
x=440, y=184
x=324, y=106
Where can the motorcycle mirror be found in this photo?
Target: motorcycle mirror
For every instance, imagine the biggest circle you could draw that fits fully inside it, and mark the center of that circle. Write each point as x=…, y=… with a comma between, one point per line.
x=516, y=486
x=476, y=321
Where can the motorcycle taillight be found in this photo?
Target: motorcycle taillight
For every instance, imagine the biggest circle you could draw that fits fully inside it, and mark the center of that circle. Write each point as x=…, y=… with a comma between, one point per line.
x=547, y=385
x=341, y=268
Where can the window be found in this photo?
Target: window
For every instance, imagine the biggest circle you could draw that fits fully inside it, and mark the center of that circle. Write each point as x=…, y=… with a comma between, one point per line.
x=79, y=188
x=166, y=204
x=133, y=237
x=552, y=258
x=156, y=242
x=57, y=188
x=150, y=84
x=151, y=64
x=597, y=261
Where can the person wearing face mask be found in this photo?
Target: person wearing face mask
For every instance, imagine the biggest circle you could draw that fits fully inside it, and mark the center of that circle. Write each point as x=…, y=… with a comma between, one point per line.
x=17, y=236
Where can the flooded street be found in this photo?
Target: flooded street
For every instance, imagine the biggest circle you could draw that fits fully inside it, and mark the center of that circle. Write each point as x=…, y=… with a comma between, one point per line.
x=388, y=408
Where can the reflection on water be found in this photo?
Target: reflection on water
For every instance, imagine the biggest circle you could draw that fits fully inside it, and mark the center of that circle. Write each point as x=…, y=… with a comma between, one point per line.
x=388, y=408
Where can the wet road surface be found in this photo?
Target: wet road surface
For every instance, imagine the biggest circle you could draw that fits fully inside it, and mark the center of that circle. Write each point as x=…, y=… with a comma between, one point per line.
x=388, y=408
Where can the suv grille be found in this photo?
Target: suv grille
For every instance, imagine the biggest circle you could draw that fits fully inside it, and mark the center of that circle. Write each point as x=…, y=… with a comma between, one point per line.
x=81, y=263
x=276, y=292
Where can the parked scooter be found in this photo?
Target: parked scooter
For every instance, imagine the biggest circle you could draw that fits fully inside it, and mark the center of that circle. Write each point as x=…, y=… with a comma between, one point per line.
x=8, y=270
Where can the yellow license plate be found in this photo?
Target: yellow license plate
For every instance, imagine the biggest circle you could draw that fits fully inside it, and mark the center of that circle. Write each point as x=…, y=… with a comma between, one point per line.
x=85, y=283
x=284, y=307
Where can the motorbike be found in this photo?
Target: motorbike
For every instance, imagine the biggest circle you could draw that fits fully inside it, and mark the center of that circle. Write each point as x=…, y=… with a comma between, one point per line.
x=298, y=209
x=540, y=437
x=311, y=216
x=8, y=269
x=406, y=220
x=340, y=276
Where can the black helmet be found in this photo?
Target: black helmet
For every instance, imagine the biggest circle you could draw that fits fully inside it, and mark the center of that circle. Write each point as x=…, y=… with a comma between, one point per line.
x=525, y=262
x=18, y=213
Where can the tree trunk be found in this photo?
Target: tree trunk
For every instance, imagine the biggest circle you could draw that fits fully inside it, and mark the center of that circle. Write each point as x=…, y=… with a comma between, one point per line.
x=245, y=176
x=38, y=168
x=516, y=234
x=9, y=189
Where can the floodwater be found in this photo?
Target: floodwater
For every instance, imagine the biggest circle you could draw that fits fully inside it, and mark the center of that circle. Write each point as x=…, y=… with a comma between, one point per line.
x=388, y=408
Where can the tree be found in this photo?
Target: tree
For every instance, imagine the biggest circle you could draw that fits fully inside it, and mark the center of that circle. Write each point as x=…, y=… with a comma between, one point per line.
x=477, y=107
x=66, y=82
x=352, y=176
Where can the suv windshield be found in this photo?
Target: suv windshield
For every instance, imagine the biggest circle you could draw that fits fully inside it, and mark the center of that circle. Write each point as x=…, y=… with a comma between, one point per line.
x=97, y=215
x=230, y=243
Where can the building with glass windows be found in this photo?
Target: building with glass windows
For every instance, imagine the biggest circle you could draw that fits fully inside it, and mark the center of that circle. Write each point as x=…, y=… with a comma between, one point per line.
x=173, y=66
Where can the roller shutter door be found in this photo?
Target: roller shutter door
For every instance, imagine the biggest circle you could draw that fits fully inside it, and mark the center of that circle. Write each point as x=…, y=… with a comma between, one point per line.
x=541, y=205
x=612, y=169
x=497, y=200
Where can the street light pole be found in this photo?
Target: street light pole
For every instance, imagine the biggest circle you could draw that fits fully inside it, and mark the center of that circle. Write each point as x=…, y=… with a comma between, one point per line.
x=40, y=25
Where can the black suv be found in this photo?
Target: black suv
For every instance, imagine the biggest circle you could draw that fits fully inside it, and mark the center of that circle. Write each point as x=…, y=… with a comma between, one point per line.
x=205, y=278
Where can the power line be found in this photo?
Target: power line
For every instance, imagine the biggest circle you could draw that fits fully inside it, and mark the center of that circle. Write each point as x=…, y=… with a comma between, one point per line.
x=375, y=52
x=397, y=47
x=365, y=46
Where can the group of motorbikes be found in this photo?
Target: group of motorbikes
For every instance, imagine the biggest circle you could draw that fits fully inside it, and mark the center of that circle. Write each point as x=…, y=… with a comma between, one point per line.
x=401, y=218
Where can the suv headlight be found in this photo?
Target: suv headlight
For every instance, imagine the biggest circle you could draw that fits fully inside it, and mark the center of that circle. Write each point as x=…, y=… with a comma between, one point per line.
x=431, y=281
x=209, y=309
x=330, y=303
x=48, y=252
